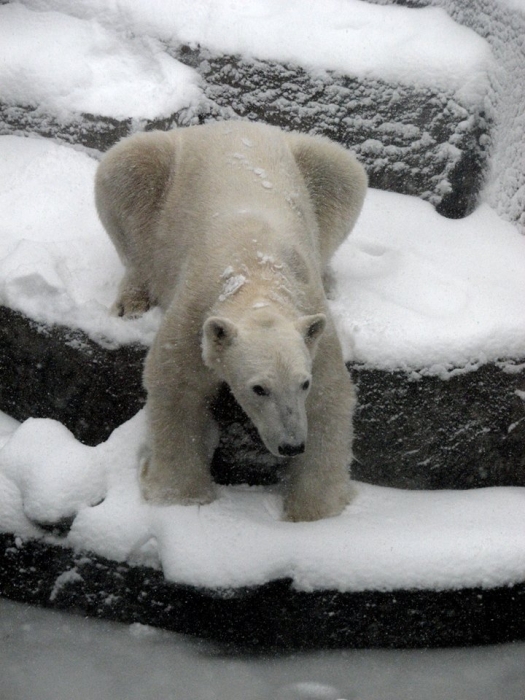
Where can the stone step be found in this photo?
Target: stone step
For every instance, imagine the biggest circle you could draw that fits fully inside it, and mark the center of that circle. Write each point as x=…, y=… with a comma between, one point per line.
x=414, y=140
x=273, y=616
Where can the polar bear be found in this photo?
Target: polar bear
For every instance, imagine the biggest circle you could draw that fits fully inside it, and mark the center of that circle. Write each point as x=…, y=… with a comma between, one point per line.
x=230, y=227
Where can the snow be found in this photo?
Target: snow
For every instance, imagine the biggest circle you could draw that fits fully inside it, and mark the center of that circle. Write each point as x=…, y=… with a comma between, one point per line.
x=386, y=538
x=418, y=290
x=57, y=264
x=421, y=46
x=70, y=479
x=63, y=64
x=415, y=291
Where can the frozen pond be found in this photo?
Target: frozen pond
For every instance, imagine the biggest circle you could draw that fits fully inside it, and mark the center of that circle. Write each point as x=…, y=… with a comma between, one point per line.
x=46, y=655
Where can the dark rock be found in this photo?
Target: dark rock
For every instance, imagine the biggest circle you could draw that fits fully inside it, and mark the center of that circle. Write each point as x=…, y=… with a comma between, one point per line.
x=423, y=432
x=56, y=372
x=271, y=616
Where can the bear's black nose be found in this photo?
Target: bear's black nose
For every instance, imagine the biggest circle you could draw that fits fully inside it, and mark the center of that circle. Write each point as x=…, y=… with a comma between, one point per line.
x=287, y=450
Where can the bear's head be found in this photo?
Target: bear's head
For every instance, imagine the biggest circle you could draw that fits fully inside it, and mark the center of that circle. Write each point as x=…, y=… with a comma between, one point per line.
x=266, y=359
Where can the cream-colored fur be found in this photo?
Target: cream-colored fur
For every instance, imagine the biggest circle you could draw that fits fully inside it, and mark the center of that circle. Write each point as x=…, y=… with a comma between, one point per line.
x=230, y=228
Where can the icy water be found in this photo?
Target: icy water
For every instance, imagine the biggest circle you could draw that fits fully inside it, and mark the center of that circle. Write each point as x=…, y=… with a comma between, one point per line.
x=45, y=655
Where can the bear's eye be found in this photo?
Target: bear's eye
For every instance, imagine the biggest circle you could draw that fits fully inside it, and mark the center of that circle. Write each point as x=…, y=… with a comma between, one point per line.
x=305, y=385
x=260, y=390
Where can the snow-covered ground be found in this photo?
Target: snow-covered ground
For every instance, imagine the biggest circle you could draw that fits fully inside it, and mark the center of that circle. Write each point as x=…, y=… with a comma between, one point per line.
x=415, y=291
x=386, y=539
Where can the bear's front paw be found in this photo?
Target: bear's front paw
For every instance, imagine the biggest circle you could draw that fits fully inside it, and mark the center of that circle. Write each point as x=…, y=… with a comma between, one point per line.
x=165, y=490
x=297, y=509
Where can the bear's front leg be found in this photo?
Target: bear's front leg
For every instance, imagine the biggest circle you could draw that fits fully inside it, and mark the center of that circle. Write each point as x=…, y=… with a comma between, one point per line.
x=182, y=433
x=317, y=483
x=176, y=470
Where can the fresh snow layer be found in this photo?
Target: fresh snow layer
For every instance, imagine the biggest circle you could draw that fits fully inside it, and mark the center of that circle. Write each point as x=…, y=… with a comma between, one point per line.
x=399, y=44
x=415, y=290
x=56, y=263
x=418, y=290
x=67, y=65
x=386, y=538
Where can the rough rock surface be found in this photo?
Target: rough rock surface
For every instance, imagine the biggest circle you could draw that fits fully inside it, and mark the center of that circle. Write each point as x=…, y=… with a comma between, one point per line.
x=502, y=24
x=62, y=374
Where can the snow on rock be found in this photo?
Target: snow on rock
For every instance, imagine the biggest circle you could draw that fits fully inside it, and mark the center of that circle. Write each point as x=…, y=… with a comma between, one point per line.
x=385, y=539
x=47, y=476
x=57, y=264
x=64, y=65
x=414, y=46
x=57, y=475
x=118, y=528
x=502, y=23
x=419, y=290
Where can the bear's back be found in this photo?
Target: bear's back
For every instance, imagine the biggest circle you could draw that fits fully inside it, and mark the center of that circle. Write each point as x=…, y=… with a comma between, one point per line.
x=247, y=163
x=235, y=191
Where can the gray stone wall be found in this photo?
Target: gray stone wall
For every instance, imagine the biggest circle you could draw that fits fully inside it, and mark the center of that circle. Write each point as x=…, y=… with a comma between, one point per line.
x=504, y=28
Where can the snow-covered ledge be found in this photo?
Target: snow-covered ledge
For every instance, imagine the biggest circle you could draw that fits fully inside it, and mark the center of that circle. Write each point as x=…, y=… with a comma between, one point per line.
x=418, y=117
x=403, y=568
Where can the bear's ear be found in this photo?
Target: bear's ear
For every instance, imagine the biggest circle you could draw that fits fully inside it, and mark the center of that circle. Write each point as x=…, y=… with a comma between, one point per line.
x=218, y=334
x=311, y=328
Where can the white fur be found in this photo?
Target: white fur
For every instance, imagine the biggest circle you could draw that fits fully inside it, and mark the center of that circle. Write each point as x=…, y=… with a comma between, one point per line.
x=230, y=228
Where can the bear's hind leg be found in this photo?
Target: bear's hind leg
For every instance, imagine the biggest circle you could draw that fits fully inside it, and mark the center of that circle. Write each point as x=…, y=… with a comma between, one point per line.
x=133, y=297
